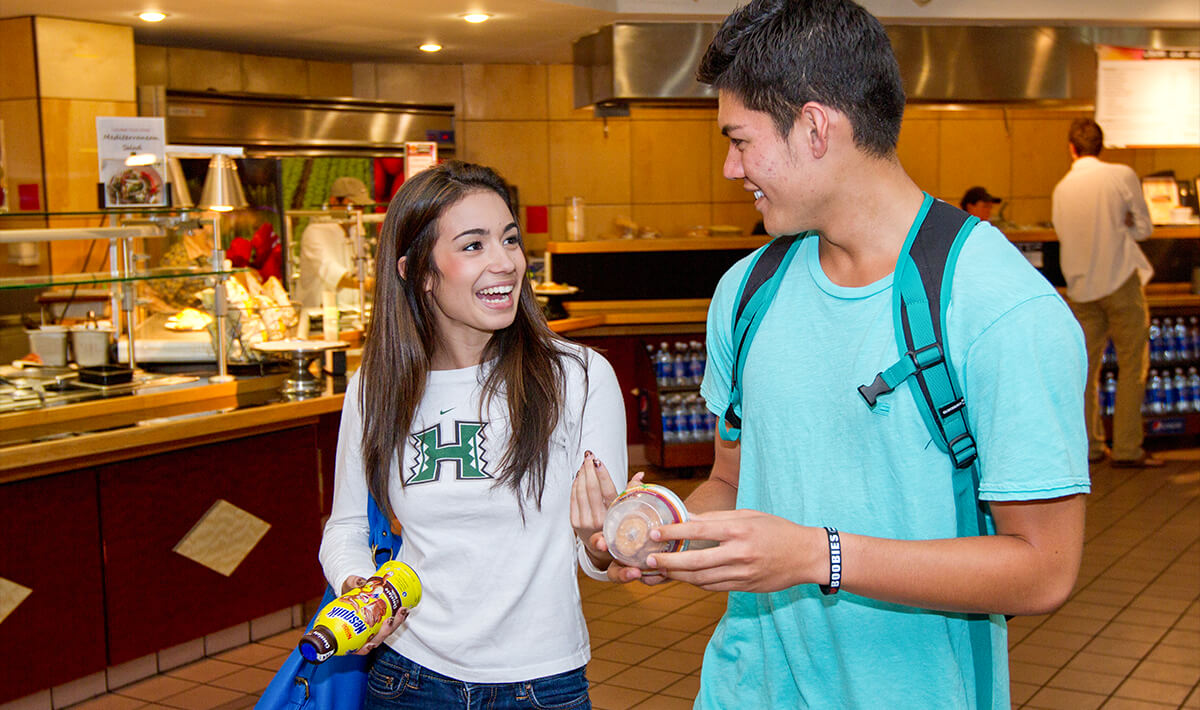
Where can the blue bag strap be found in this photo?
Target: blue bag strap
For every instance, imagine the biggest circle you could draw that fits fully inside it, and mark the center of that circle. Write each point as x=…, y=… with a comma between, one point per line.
x=754, y=298
x=384, y=547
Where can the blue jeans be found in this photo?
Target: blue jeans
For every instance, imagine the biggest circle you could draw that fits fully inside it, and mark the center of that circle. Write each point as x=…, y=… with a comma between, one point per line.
x=396, y=682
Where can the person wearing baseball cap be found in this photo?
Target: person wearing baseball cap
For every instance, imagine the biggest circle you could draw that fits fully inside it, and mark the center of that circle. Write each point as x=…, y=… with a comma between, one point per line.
x=979, y=202
x=348, y=191
x=326, y=253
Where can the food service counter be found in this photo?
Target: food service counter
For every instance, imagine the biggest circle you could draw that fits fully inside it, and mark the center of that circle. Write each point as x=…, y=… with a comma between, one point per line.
x=181, y=513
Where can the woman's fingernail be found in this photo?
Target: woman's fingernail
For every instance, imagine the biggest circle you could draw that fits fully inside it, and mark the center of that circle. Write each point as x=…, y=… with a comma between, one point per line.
x=596, y=462
x=587, y=454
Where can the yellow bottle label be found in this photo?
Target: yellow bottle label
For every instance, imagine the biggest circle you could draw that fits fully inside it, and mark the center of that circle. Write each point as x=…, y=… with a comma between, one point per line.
x=348, y=622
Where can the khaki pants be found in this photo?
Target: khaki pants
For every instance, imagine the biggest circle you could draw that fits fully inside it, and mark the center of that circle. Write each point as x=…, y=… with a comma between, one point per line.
x=1124, y=317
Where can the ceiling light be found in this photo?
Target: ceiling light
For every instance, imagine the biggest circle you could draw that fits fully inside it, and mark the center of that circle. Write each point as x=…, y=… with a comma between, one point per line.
x=152, y=16
x=477, y=17
x=430, y=47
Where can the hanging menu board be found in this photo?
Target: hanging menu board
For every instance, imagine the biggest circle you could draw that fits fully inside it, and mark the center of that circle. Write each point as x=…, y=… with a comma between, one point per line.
x=1147, y=97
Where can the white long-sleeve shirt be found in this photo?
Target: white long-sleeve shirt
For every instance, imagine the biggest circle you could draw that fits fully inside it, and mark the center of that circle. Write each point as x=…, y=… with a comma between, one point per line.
x=1097, y=249
x=500, y=599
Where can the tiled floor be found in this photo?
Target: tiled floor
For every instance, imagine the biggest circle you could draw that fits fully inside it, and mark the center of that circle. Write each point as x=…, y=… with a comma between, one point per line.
x=1128, y=639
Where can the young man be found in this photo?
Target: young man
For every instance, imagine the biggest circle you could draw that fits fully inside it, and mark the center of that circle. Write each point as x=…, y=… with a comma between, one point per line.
x=977, y=201
x=811, y=101
x=1100, y=215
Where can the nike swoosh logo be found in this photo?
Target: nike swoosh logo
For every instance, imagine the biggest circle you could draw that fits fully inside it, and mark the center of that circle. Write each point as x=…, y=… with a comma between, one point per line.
x=444, y=411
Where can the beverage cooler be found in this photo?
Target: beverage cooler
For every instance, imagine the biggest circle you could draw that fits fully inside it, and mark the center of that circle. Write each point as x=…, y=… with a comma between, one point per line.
x=1172, y=402
x=676, y=425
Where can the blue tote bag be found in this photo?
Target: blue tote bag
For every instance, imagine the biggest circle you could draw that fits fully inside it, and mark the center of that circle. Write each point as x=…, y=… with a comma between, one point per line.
x=340, y=683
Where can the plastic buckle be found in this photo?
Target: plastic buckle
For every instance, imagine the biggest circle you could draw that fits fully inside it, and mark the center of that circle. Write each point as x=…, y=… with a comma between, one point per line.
x=919, y=357
x=962, y=451
x=872, y=391
x=952, y=407
x=732, y=420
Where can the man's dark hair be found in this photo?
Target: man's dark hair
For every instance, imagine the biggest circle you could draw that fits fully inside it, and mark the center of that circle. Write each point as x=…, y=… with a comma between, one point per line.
x=777, y=55
x=1086, y=136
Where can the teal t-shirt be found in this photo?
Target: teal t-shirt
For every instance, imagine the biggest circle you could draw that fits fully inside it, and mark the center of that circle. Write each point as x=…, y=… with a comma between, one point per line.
x=814, y=453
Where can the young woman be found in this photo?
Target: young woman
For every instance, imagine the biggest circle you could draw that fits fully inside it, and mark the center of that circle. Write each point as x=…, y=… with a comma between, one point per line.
x=467, y=422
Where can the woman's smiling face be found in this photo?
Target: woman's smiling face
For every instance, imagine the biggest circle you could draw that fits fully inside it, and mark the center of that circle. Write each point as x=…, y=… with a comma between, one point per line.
x=481, y=264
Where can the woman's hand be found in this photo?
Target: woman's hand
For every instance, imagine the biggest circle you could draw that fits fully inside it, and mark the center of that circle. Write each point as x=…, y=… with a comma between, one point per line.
x=388, y=627
x=591, y=494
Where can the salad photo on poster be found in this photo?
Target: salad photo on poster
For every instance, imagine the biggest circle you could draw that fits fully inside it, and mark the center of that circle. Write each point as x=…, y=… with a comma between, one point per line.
x=132, y=185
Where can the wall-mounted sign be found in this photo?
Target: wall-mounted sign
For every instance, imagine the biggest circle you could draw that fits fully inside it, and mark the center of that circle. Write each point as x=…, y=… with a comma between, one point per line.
x=132, y=159
x=1148, y=97
x=418, y=156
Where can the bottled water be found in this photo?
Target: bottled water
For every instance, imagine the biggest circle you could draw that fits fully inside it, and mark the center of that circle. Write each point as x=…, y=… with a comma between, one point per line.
x=1108, y=395
x=1167, y=335
x=679, y=366
x=1167, y=392
x=1183, y=341
x=683, y=421
x=1155, y=341
x=1110, y=355
x=1183, y=398
x=696, y=361
x=1193, y=389
x=669, y=434
x=662, y=365
x=1194, y=335
x=706, y=419
x=1154, y=393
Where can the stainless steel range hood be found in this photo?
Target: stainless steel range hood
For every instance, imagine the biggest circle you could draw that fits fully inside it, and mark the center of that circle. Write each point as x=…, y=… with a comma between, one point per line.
x=656, y=62
x=277, y=124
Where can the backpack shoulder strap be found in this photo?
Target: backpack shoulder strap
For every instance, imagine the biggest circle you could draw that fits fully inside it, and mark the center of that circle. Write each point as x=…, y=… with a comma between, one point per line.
x=754, y=297
x=920, y=297
x=921, y=294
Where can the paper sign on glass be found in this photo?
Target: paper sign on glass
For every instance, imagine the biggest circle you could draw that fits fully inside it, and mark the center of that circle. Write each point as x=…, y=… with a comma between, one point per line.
x=132, y=155
x=418, y=156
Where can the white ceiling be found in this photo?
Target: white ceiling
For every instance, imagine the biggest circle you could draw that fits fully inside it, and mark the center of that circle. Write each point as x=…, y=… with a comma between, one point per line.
x=521, y=31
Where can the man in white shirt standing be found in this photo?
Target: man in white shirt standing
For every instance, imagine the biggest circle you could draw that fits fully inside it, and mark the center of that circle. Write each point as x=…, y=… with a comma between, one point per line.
x=1099, y=214
x=326, y=254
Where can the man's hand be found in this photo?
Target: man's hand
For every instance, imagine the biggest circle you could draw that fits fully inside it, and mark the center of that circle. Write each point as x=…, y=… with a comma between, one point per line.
x=756, y=552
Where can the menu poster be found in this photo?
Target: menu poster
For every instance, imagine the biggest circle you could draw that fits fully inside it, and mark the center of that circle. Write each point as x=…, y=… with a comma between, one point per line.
x=418, y=156
x=132, y=155
x=1148, y=97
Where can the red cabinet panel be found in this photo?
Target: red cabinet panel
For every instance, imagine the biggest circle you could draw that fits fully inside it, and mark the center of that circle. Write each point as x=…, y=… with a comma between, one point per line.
x=49, y=543
x=155, y=597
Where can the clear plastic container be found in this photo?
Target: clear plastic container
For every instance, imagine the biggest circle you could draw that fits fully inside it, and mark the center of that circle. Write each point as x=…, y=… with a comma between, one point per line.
x=631, y=517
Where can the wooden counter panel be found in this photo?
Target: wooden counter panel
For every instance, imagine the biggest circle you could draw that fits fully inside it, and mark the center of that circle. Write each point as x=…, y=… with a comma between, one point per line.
x=157, y=598
x=609, y=246
x=1182, y=231
x=56, y=634
x=35, y=459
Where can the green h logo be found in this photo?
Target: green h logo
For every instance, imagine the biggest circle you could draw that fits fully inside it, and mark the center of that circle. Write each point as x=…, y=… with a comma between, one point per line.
x=466, y=451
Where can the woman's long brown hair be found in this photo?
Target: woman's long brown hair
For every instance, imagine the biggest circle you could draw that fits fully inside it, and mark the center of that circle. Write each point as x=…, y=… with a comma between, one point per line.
x=401, y=338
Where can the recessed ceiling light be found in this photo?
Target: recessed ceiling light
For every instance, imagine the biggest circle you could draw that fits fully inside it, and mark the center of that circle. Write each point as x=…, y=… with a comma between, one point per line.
x=430, y=47
x=477, y=17
x=152, y=16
